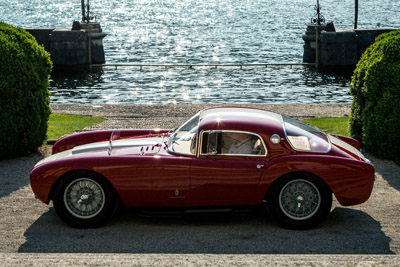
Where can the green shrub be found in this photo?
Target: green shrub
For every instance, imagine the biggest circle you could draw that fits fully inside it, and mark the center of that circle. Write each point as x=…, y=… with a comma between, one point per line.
x=24, y=97
x=375, y=86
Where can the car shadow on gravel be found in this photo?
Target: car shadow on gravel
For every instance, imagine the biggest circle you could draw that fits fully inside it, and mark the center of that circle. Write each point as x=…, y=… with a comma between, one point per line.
x=389, y=170
x=346, y=231
x=14, y=173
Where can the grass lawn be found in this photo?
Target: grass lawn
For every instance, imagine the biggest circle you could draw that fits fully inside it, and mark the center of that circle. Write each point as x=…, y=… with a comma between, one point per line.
x=333, y=125
x=60, y=125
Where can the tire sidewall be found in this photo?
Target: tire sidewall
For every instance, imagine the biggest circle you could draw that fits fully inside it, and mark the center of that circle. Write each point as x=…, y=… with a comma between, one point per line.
x=99, y=219
x=315, y=219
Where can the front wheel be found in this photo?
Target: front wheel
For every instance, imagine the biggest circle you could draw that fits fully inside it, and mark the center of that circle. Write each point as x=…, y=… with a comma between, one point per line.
x=299, y=201
x=84, y=199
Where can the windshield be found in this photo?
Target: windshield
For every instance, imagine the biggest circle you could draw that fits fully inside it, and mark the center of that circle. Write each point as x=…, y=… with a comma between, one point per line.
x=303, y=137
x=184, y=139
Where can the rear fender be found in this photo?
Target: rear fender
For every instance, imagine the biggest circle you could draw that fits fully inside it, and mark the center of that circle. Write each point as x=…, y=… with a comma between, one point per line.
x=351, y=181
x=351, y=141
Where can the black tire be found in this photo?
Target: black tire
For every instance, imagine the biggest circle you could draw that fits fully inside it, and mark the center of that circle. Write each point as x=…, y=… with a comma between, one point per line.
x=84, y=199
x=299, y=201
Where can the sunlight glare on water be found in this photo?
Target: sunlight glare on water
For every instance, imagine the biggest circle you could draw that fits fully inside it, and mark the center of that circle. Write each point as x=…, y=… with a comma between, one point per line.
x=201, y=31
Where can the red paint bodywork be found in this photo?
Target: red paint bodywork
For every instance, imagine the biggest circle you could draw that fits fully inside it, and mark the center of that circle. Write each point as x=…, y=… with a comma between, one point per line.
x=77, y=139
x=155, y=177
x=351, y=141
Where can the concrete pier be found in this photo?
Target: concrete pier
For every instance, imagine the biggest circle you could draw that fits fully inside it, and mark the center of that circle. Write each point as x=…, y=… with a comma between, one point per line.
x=337, y=49
x=79, y=46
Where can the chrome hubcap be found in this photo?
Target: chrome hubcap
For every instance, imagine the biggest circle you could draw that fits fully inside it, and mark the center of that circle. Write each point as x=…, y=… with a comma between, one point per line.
x=84, y=198
x=299, y=199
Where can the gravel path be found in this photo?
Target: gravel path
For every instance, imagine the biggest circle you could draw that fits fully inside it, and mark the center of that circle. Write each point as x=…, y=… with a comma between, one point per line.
x=32, y=234
x=170, y=116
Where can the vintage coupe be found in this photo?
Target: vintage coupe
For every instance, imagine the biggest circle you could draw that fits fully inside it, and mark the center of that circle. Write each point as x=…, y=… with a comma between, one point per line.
x=221, y=157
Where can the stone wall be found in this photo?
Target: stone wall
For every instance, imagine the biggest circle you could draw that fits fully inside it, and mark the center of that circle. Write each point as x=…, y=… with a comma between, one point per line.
x=337, y=49
x=82, y=45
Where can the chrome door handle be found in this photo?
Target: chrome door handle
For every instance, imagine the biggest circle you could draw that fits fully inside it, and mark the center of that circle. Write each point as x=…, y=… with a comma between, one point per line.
x=260, y=166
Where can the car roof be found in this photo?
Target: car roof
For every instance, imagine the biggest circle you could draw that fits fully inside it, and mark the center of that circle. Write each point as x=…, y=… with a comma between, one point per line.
x=241, y=119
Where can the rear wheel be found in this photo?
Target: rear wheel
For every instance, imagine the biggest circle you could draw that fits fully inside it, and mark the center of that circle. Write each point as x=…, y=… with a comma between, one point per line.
x=299, y=201
x=84, y=199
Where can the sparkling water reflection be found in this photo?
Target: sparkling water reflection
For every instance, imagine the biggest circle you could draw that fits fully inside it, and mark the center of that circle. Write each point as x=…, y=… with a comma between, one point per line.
x=201, y=31
x=198, y=86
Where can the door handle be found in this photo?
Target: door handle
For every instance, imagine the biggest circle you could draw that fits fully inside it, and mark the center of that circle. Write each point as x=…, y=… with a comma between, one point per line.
x=260, y=166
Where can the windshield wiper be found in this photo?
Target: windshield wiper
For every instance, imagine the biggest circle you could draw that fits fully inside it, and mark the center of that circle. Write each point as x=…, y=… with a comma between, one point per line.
x=174, y=142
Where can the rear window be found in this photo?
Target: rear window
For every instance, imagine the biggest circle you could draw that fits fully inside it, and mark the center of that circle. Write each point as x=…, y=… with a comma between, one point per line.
x=303, y=137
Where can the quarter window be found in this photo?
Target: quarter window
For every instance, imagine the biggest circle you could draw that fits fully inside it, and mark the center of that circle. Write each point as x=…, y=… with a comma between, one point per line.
x=303, y=137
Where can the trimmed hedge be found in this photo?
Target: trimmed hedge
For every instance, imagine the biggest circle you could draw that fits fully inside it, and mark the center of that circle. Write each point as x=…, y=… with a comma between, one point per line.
x=24, y=97
x=375, y=86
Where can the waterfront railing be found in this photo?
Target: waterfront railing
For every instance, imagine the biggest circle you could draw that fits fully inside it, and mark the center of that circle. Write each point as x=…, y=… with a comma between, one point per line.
x=192, y=66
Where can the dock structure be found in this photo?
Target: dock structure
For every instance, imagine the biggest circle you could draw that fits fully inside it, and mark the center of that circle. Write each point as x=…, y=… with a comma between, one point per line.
x=81, y=45
x=337, y=49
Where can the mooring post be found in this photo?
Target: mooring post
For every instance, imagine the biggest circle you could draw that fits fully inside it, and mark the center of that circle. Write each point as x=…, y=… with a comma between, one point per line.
x=318, y=14
x=316, y=47
x=355, y=14
x=83, y=10
x=317, y=27
x=88, y=12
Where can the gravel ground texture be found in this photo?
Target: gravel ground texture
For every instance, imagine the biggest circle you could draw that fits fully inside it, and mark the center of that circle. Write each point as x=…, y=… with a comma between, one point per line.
x=32, y=234
x=171, y=116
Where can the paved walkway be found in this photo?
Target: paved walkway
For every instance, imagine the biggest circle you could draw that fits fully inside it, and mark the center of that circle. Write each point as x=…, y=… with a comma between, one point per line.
x=210, y=260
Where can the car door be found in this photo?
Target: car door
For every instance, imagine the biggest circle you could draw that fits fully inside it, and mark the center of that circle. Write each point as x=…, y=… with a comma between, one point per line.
x=150, y=180
x=227, y=170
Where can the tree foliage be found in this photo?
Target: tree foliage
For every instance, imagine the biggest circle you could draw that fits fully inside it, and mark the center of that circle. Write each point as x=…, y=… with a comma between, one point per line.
x=24, y=97
x=375, y=86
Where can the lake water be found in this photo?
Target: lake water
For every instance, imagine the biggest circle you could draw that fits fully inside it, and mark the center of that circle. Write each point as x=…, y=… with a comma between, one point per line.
x=201, y=31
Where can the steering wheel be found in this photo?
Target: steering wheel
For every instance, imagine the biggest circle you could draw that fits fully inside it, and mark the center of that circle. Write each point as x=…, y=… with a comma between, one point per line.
x=193, y=144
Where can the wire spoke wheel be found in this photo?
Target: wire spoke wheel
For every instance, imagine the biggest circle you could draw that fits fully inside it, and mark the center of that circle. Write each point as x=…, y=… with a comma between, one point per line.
x=299, y=199
x=84, y=198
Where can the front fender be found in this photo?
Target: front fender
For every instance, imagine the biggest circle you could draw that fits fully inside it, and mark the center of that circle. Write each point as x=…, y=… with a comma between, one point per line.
x=43, y=177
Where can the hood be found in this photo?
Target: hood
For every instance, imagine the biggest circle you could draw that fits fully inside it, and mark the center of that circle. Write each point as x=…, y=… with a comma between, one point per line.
x=142, y=145
x=118, y=144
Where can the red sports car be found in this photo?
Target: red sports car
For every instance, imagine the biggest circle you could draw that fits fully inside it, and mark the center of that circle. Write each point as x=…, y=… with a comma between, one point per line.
x=221, y=157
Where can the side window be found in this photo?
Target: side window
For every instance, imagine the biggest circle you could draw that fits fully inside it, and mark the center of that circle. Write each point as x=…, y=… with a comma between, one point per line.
x=232, y=143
